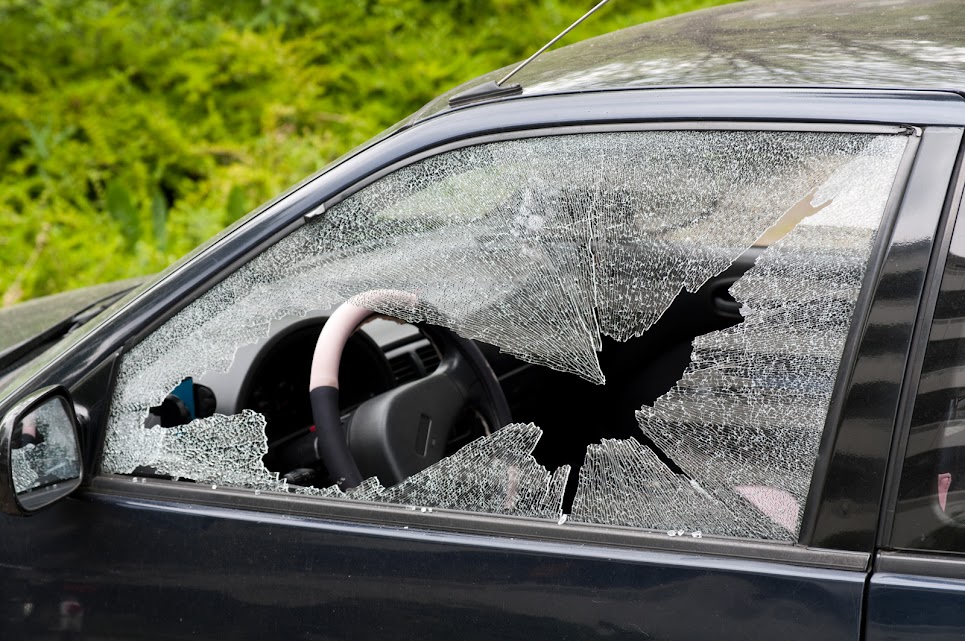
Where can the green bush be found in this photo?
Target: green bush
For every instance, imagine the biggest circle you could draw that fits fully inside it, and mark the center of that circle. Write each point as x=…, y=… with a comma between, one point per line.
x=131, y=131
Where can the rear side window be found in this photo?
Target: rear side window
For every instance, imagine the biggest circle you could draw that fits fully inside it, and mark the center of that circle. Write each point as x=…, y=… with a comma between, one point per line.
x=930, y=514
x=564, y=257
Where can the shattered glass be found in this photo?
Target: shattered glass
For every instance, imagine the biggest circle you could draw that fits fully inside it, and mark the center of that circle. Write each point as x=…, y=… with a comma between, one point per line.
x=745, y=420
x=222, y=450
x=540, y=247
x=569, y=237
x=626, y=472
x=495, y=474
x=25, y=477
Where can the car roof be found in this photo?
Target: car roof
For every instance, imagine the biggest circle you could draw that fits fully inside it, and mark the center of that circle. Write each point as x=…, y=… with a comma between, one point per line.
x=893, y=44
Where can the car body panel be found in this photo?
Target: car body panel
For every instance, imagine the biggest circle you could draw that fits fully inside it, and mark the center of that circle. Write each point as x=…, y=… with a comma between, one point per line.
x=142, y=569
x=914, y=607
x=904, y=44
x=20, y=322
x=916, y=596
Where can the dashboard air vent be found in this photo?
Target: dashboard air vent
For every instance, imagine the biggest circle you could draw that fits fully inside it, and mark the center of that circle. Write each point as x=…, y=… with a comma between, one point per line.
x=429, y=357
x=404, y=367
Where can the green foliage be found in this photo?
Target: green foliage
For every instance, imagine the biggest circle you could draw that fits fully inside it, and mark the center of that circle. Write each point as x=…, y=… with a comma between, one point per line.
x=131, y=131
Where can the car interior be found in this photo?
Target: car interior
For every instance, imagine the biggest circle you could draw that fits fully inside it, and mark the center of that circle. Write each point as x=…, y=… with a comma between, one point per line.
x=271, y=377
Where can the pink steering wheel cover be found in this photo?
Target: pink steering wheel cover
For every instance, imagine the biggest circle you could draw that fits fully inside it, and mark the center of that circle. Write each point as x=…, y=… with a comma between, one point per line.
x=340, y=325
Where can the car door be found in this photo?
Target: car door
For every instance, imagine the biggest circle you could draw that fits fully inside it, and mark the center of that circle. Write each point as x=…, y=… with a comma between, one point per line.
x=741, y=501
x=918, y=586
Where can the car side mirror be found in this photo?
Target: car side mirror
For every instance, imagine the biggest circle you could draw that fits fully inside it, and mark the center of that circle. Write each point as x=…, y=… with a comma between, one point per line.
x=40, y=459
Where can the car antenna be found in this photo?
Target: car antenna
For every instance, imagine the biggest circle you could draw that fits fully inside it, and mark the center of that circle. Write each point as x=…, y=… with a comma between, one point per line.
x=496, y=89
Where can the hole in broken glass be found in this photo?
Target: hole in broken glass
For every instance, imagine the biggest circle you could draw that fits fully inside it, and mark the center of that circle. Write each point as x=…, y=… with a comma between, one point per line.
x=549, y=251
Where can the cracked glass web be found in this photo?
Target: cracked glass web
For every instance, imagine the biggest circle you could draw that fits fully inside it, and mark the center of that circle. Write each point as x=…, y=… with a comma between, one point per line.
x=540, y=247
x=745, y=420
x=495, y=474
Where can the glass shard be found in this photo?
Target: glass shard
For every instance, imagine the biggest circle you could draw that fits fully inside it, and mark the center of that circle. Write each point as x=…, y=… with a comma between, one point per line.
x=25, y=475
x=745, y=420
x=540, y=247
x=223, y=450
x=496, y=474
x=626, y=483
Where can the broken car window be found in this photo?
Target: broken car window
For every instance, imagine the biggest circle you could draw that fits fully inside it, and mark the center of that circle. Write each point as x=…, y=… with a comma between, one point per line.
x=546, y=248
x=745, y=420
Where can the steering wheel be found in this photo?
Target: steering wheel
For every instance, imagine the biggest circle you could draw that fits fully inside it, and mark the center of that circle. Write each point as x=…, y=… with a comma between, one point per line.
x=403, y=430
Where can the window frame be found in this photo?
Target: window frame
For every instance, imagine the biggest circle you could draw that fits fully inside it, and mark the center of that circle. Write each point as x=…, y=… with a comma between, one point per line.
x=489, y=523
x=881, y=361
x=952, y=223
x=911, y=137
x=211, y=263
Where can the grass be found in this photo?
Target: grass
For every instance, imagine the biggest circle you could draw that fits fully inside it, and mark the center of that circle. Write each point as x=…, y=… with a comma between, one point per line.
x=131, y=131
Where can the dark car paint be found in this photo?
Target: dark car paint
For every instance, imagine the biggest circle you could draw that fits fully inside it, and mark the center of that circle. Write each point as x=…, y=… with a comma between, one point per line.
x=166, y=562
x=914, y=596
x=912, y=606
x=35, y=326
x=125, y=558
x=906, y=44
x=264, y=575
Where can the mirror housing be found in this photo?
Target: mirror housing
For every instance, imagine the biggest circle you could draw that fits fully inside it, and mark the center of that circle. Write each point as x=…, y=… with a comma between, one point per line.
x=40, y=457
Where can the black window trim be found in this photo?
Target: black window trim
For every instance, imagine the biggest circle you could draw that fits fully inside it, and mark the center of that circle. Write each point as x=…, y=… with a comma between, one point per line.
x=921, y=563
x=586, y=533
x=953, y=220
x=374, y=518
